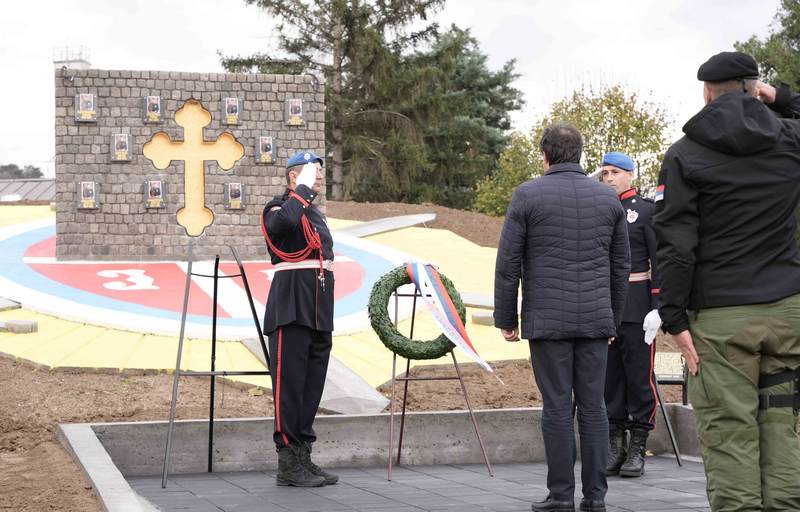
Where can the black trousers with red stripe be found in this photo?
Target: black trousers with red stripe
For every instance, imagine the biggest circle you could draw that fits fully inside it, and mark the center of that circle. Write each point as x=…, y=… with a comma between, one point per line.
x=299, y=363
x=630, y=389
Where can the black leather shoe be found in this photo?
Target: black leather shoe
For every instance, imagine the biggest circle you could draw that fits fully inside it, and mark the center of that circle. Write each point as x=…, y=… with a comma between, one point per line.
x=592, y=505
x=551, y=505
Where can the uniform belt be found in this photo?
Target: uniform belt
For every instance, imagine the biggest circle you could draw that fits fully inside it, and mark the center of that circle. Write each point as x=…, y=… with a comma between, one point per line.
x=312, y=264
x=639, y=276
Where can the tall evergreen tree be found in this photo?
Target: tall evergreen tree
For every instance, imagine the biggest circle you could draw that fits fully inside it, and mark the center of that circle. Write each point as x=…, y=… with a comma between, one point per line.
x=351, y=43
x=463, y=113
x=458, y=110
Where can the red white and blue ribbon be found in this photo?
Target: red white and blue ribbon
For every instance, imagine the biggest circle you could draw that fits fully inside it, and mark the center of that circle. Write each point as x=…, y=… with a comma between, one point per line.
x=429, y=284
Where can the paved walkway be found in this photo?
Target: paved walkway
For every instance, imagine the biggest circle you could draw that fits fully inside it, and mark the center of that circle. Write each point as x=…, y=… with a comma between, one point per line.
x=463, y=488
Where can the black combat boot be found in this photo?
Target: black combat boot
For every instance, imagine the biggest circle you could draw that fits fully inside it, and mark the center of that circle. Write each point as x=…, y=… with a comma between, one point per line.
x=592, y=505
x=305, y=460
x=551, y=505
x=616, y=451
x=634, y=463
x=291, y=472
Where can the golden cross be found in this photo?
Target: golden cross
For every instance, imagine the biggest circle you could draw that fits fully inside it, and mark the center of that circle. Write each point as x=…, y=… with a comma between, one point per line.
x=194, y=216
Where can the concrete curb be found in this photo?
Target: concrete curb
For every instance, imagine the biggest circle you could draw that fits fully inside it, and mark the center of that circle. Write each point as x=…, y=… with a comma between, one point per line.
x=111, y=487
x=110, y=452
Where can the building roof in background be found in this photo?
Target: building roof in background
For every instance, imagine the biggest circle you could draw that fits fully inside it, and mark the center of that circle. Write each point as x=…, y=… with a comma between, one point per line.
x=43, y=190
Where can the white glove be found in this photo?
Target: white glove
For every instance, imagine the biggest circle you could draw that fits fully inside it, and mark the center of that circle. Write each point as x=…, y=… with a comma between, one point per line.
x=308, y=176
x=651, y=324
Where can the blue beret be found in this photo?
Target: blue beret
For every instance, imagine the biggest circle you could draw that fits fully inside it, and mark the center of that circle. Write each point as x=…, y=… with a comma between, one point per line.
x=304, y=157
x=620, y=160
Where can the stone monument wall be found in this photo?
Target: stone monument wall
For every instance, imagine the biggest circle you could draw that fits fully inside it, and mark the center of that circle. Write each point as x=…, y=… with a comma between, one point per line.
x=120, y=225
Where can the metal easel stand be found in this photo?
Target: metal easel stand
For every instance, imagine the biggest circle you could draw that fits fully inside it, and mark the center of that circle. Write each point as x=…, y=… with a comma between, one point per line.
x=667, y=422
x=408, y=378
x=214, y=372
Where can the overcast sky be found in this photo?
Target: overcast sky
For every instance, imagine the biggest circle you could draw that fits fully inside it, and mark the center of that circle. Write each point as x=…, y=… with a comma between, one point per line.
x=651, y=47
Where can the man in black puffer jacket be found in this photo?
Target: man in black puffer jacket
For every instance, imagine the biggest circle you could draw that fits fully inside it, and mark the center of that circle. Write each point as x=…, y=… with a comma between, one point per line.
x=565, y=237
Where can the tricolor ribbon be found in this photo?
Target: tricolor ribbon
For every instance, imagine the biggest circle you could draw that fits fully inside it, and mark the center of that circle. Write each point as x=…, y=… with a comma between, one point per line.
x=429, y=285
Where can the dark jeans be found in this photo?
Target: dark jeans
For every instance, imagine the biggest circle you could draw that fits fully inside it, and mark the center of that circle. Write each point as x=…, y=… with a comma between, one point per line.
x=563, y=368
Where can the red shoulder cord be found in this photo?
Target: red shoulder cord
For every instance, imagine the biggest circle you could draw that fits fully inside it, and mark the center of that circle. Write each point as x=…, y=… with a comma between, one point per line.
x=313, y=240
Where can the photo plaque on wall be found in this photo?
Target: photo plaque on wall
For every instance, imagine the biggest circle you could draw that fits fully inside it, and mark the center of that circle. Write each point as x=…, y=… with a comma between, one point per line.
x=85, y=108
x=152, y=109
x=88, y=193
x=264, y=150
x=294, y=112
x=234, y=196
x=231, y=110
x=155, y=192
x=121, y=147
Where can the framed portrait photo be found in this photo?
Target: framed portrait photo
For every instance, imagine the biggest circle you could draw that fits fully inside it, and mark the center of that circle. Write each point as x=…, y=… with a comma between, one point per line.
x=294, y=112
x=264, y=150
x=154, y=194
x=120, y=147
x=152, y=109
x=85, y=107
x=88, y=193
x=234, y=196
x=231, y=110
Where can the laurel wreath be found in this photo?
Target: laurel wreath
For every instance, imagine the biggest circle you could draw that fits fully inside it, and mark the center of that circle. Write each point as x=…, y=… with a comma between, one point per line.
x=384, y=327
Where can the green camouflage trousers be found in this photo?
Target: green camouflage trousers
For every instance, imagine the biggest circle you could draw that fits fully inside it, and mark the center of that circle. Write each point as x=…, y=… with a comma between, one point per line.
x=751, y=454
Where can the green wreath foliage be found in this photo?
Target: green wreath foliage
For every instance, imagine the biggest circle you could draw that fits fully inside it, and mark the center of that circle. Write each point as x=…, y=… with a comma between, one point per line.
x=388, y=333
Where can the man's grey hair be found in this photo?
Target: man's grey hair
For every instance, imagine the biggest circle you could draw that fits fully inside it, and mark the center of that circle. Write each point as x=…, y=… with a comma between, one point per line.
x=745, y=85
x=295, y=168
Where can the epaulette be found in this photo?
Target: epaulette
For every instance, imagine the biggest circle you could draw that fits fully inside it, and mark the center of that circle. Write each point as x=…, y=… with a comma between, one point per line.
x=276, y=201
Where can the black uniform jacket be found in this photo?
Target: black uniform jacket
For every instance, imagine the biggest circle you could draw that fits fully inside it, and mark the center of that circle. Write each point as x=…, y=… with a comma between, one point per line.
x=725, y=208
x=298, y=296
x=642, y=295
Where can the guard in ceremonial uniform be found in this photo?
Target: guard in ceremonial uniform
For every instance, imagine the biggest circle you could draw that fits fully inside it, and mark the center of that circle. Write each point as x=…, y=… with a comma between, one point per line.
x=299, y=317
x=630, y=393
x=730, y=269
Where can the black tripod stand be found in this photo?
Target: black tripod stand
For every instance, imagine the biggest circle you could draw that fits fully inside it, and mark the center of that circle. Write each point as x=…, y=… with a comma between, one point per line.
x=213, y=372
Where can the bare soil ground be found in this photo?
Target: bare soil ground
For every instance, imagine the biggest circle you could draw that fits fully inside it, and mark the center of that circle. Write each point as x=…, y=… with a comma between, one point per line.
x=36, y=474
x=476, y=227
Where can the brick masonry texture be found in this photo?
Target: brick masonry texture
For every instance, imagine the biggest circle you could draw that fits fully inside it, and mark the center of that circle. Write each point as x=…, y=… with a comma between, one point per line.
x=122, y=228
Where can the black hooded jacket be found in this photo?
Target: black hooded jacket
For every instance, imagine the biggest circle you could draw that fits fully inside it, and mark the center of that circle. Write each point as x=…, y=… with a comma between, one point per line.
x=725, y=207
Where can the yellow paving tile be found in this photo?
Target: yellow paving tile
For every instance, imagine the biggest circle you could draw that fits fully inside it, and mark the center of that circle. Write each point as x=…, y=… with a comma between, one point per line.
x=468, y=265
x=154, y=352
x=14, y=214
x=340, y=223
x=110, y=349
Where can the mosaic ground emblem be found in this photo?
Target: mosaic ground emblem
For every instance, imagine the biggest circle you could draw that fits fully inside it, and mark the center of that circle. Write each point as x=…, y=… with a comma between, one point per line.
x=147, y=296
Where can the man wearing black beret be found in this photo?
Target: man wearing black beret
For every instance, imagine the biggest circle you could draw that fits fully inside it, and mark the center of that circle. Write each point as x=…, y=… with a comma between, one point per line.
x=730, y=281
